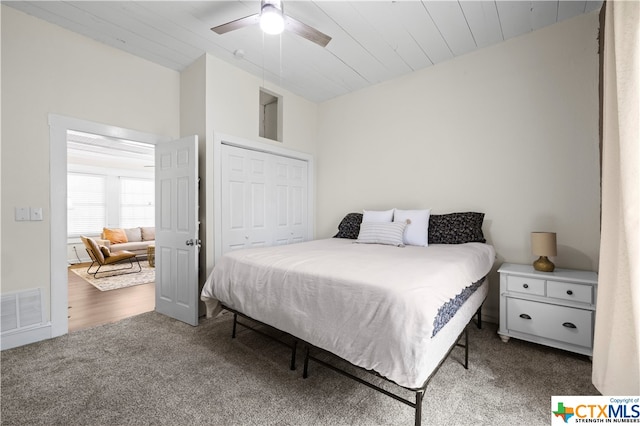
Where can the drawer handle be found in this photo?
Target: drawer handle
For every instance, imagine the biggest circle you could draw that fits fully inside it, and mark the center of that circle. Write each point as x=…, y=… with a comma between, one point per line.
x=569, y=325
x=525, y=316
x=569, y=292
x=525, y=285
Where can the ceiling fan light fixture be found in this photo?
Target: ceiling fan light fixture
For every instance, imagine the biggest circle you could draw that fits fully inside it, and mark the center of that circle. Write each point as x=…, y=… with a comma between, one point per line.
x=271, y=19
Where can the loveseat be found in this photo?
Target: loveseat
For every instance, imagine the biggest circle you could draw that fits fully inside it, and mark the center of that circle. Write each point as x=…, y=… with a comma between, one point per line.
x=135, y=240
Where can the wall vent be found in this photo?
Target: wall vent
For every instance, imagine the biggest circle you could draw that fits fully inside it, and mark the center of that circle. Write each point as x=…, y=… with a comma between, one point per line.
x=21, y=310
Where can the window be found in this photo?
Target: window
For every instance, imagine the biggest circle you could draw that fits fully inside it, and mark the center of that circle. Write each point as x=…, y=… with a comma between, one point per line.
x=137, y=202
x=86, y=204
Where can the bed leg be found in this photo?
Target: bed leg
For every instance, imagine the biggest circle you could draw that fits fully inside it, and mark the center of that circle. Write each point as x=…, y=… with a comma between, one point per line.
x=293, y=355
x=305, y=370
x=235, y=322
x=419, y=396
x=480, y=317
x=466, y=348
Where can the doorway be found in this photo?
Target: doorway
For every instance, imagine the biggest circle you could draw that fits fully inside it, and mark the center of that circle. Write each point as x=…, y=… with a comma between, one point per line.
x=110, y=184
x=59, y=128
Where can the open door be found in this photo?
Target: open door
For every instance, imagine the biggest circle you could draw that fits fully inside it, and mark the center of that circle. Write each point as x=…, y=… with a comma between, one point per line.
x=177, y=242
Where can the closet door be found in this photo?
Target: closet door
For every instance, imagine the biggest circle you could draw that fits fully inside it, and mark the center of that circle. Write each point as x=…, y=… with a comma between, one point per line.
x=245, y=193
x=263, y=199
x=290, y=176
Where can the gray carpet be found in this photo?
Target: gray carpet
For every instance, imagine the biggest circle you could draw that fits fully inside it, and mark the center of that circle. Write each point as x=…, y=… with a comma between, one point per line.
x=150, y=369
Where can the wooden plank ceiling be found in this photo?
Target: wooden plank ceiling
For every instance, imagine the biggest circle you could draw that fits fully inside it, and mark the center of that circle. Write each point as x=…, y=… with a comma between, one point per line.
x=372, y=41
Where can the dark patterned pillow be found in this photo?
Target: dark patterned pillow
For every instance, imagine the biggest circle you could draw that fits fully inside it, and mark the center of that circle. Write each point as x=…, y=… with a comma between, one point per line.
x=350, y=226
x=456, y=228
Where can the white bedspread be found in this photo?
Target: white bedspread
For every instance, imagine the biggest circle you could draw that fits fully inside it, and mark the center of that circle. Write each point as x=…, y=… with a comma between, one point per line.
x=373, y=305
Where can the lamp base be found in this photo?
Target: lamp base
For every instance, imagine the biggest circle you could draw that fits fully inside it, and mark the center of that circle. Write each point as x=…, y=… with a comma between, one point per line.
x=543, y=264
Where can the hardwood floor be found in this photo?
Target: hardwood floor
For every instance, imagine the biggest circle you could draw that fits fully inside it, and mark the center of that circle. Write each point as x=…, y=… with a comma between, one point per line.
x=89, y=306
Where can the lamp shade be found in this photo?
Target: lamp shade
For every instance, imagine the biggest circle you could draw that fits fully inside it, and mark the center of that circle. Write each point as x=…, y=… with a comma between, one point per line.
x=544, y=244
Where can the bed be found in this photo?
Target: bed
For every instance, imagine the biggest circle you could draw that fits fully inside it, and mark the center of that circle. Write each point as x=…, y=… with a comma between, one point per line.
x=395, y=311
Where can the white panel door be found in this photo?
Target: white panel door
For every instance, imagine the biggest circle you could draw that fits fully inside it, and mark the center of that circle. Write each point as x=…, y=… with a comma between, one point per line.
x=177, y=242
x=290, y=177
x=246, y=212
x=263, y=199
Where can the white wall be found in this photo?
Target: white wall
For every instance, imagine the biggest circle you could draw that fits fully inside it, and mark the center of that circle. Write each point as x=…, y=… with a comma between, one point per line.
x=233, y=109
x=217, y=97
x=46, y=69
x=1, y=215
x=193, y=121
x=510, y=130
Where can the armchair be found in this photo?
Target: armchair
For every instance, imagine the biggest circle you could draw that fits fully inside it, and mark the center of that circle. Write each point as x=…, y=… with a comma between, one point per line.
x=103, y=256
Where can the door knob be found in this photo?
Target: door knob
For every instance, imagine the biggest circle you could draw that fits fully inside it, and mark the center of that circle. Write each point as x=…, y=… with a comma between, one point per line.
x=189, y=242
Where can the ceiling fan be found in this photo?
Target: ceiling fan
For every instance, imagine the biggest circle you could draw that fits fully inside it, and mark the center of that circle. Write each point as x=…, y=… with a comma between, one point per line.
x=272, y=20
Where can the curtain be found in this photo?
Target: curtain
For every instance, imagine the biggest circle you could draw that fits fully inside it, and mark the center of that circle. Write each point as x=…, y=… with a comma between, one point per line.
x=616, y=353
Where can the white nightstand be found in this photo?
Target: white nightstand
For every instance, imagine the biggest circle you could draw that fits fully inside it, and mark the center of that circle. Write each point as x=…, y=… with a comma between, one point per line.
x=551, y=308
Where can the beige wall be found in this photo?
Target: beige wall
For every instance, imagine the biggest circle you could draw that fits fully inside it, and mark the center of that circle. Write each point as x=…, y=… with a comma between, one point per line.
x=234, y=108
x=217, y=97
x=46, y=69
x=510, y=130
x=193, y=108
x=1, y=215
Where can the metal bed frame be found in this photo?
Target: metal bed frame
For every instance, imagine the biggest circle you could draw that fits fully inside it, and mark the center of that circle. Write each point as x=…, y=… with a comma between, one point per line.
x=293, y=346
x=419, y=392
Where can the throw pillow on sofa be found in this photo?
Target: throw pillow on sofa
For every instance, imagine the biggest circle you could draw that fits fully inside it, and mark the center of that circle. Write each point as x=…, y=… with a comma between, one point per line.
x=133, y=234
x=115, y=236
x=148, y=233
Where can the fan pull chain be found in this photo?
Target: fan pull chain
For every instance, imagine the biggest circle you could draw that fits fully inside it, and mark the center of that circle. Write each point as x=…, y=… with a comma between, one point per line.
x=262, y=58
x=280, y=76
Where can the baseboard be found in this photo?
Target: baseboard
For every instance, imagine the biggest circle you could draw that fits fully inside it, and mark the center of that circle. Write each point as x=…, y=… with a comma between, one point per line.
x=13, y=339
x=491, y=315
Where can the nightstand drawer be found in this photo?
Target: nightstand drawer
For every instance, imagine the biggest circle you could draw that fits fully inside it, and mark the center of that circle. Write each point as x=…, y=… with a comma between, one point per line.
x=525, y=285
x=560, y=323
x=570, y=291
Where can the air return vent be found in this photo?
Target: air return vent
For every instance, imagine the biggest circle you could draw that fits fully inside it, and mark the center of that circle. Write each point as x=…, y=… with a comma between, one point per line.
x=21, y=310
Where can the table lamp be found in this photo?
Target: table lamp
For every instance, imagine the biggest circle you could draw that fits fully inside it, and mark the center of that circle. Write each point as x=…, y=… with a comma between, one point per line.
x=543, y=244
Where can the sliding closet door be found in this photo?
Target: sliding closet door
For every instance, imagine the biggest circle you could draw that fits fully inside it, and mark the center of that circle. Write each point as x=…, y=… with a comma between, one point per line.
x=245, y=194
x=290, y=200
x=264, y=199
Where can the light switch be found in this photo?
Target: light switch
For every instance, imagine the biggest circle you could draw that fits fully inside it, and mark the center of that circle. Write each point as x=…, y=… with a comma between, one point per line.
x=22, y=214
x=36, y=213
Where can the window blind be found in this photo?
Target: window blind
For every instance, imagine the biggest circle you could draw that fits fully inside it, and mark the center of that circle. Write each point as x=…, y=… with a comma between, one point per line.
x=86, y=204
x=137, y=202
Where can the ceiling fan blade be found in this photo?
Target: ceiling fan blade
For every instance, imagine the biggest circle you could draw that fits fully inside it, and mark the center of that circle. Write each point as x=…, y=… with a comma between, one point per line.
x=304, y=30
x=238, y=23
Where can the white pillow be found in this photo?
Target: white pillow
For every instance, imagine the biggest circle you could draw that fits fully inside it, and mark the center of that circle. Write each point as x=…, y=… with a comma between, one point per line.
x=417, y=232
x=377, y=215
x=390, y=233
